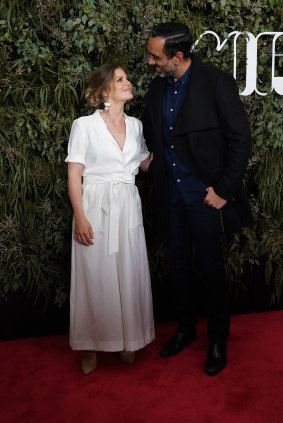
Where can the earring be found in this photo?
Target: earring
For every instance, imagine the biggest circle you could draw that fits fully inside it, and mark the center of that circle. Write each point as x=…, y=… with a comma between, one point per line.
x=106, y=106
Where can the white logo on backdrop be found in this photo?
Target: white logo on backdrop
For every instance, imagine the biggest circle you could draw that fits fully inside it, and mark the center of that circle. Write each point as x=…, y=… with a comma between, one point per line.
x=251, y=56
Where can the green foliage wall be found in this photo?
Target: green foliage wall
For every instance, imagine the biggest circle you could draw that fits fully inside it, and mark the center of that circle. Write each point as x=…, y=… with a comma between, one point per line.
x=48, y=48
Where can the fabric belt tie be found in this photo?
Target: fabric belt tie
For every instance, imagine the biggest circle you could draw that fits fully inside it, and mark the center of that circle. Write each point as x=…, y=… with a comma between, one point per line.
x=111, y=204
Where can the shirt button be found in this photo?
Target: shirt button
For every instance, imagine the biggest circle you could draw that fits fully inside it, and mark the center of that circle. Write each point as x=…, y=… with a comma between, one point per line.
x=178, y=180
x=175, y=92
x=172, y=146
x=171, y=127
x=171, y=110
x=174, y=164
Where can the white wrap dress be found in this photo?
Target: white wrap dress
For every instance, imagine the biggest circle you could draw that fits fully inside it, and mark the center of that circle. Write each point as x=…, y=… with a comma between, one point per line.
x=110, y=300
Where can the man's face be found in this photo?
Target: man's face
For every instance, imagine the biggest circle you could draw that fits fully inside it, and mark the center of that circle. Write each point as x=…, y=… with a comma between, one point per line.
x=164, y=66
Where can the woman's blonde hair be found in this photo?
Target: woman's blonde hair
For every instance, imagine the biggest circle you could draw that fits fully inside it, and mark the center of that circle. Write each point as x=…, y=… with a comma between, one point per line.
x=100, y=81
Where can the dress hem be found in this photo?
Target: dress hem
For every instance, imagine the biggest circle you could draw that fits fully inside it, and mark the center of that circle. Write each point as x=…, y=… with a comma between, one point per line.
x=112, y=346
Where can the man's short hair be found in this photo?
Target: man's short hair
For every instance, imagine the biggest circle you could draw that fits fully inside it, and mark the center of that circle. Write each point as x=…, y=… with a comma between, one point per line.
x=178, y=38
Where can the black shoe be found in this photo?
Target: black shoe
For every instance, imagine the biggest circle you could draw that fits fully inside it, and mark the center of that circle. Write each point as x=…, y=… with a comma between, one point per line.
x=176, y=344
x=216, y=358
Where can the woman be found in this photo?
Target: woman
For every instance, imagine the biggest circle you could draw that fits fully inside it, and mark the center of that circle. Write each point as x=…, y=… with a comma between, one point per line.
x=111, y=304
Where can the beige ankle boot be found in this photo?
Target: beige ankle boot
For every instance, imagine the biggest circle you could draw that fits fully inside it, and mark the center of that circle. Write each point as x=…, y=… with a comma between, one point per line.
x=89, y=362
x=128, y=357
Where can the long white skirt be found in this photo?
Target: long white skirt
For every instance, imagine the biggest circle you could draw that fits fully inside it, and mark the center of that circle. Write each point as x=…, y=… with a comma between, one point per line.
x=111, y=302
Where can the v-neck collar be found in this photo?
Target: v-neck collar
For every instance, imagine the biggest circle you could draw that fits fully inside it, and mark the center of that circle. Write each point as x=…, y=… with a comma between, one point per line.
x=106, y=127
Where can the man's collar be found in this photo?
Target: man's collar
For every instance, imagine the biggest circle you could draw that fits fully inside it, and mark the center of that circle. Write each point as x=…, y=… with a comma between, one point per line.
x=184, y=78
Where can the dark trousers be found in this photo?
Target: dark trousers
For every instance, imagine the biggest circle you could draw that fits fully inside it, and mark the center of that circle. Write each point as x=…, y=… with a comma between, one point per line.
x=198, y=225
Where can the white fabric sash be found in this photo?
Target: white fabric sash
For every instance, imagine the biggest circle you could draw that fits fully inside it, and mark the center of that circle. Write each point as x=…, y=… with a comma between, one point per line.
x=111, y=203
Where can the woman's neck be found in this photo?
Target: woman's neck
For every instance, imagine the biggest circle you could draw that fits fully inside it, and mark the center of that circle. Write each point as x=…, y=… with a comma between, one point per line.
x=115, y=114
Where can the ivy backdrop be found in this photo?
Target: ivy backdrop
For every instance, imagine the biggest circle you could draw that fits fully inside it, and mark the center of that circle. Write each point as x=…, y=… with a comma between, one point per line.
x=48, y=48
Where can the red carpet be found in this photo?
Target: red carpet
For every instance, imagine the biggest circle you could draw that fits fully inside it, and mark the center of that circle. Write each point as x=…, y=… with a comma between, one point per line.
x=41, y=381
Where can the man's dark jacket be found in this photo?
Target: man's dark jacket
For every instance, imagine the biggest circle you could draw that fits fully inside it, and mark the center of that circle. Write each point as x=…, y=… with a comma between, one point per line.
x=211, y=134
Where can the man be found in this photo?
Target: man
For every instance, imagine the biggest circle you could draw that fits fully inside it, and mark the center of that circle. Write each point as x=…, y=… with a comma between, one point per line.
x=201, y=143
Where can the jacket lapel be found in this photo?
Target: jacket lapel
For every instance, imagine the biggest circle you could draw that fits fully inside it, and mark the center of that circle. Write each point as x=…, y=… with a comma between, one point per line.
x=153, y=103
x=197, y=110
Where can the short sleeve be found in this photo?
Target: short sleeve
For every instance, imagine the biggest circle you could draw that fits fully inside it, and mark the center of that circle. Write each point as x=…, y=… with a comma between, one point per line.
x=144, y=150
x=77, y=144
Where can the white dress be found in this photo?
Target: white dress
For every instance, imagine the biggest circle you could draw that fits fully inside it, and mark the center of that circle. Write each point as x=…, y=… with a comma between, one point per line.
x=110, y=300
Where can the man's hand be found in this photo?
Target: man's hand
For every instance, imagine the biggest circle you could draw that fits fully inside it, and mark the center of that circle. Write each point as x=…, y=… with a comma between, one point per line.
x=213, y=200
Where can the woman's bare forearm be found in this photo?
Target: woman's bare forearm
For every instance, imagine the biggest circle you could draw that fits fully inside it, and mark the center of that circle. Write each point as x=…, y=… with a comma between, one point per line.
x=75, y=188
x=83, y=229
x=145, y=163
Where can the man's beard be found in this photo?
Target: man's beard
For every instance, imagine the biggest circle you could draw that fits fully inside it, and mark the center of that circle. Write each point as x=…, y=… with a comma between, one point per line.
x=167, y=73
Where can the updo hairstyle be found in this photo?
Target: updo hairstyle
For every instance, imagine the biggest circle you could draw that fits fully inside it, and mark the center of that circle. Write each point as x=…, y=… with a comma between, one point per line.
x=100, y=81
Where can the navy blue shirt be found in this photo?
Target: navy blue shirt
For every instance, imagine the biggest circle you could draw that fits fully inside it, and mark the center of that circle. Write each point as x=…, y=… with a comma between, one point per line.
x=183, y=185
